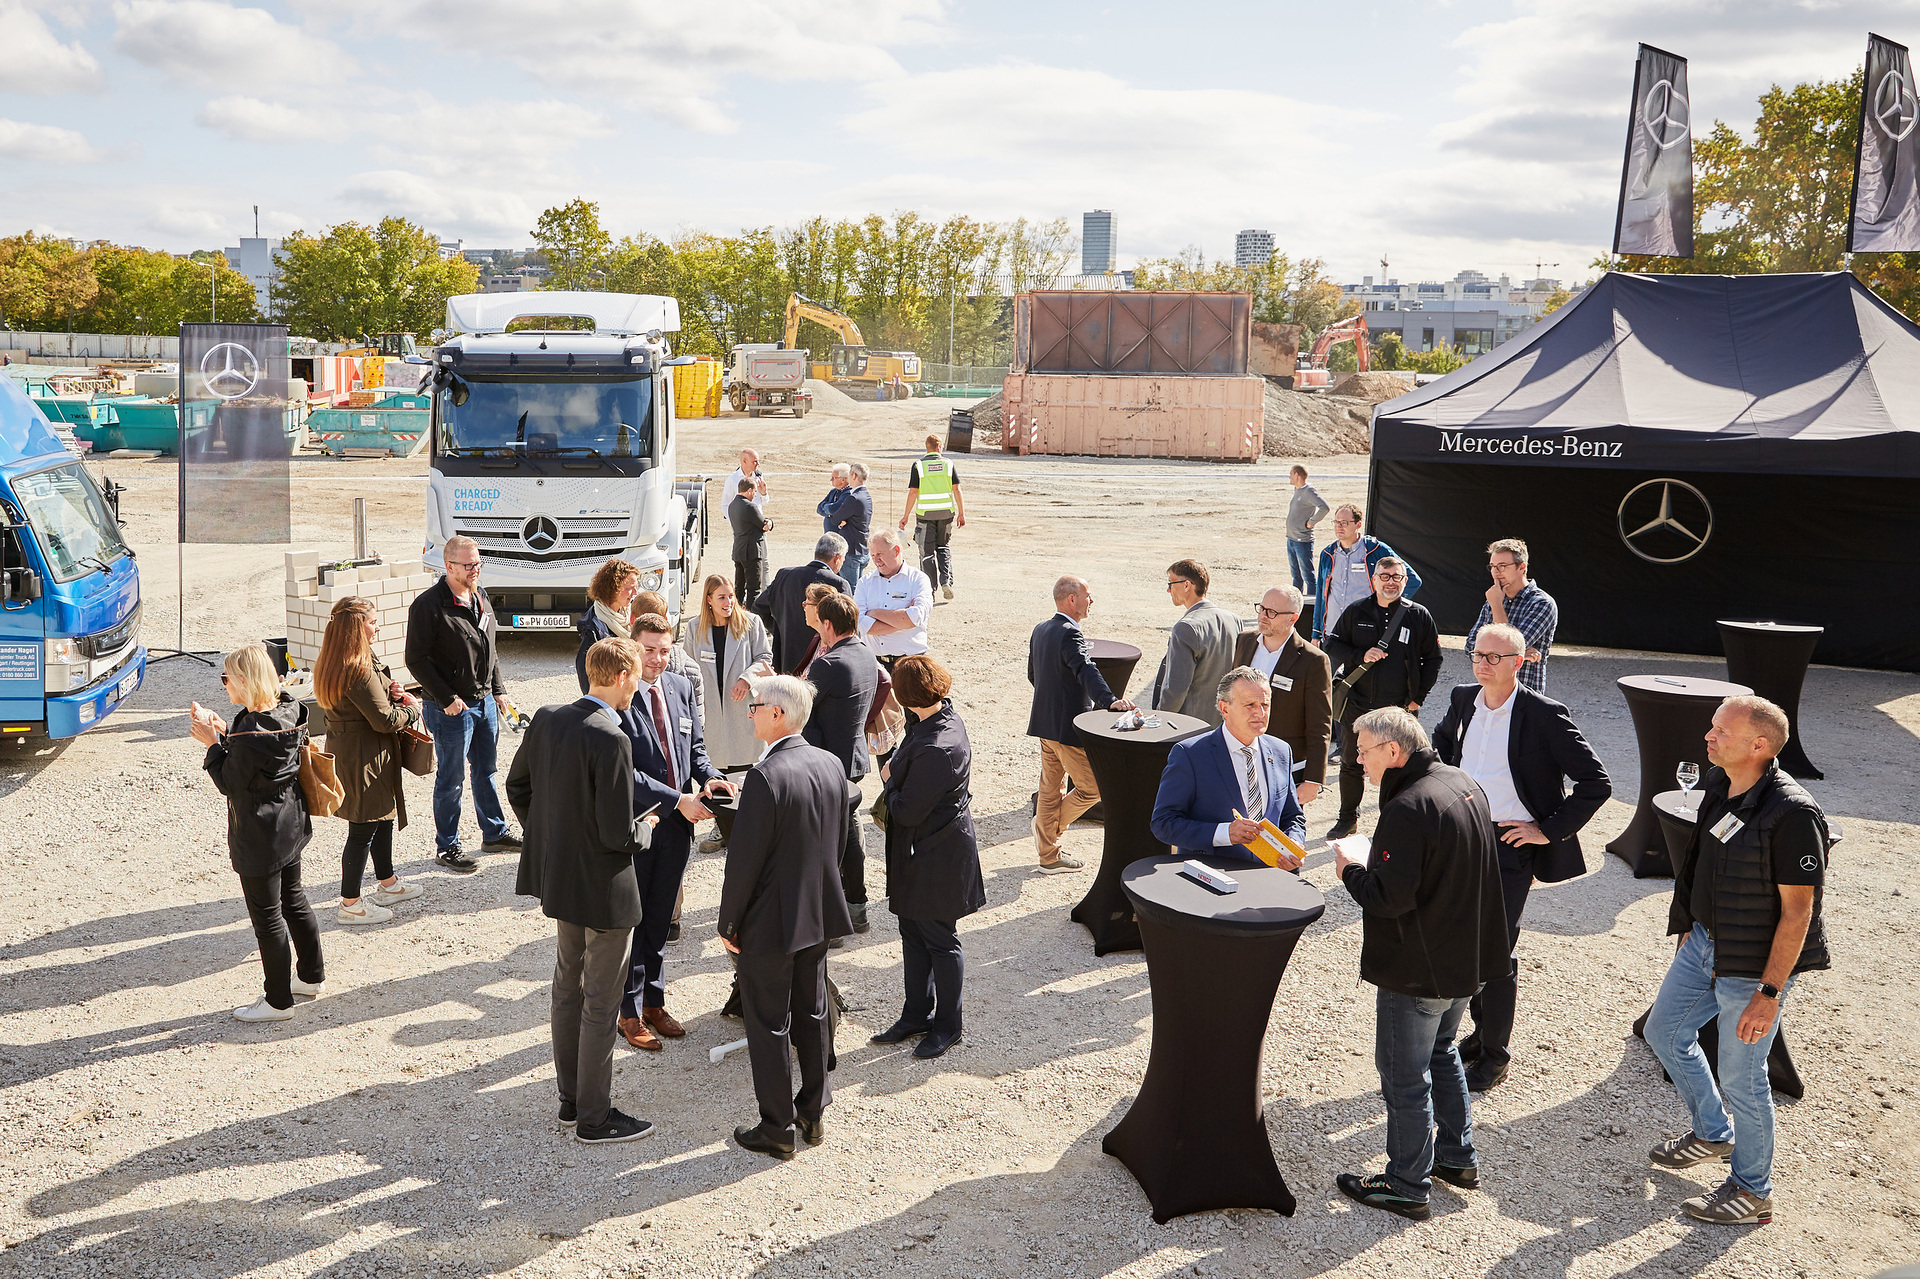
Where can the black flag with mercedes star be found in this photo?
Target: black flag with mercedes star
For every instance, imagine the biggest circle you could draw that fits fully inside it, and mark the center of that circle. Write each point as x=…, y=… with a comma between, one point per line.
x=236, y=434
x=1656, y=183
x=1886, y=198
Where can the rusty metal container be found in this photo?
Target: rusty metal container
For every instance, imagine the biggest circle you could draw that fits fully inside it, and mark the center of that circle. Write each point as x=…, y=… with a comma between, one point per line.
x=1172, y=333
x=1212, y=419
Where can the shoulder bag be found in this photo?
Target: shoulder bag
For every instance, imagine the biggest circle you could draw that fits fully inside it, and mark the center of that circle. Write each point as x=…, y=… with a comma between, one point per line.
x=320, y=781
x=416, y=751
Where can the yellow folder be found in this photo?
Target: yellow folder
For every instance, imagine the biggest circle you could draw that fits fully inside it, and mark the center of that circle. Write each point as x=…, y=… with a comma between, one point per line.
x=1271, y=843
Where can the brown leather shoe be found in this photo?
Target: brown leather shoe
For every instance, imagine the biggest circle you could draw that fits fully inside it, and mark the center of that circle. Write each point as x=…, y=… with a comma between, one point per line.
x=639, y=1036
x=662, y=1021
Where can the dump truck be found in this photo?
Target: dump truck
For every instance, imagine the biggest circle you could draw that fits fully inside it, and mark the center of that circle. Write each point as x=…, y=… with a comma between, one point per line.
x=768, y=379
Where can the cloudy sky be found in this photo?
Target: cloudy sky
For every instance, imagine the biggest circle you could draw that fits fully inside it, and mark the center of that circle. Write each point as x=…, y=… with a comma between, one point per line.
x=1439, y=134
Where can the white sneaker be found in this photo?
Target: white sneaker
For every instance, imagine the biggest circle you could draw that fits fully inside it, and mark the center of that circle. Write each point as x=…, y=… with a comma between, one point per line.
x=261, y=1010
x=947, y=591
x=402, y=890
x=306, y=989
x=363, y=913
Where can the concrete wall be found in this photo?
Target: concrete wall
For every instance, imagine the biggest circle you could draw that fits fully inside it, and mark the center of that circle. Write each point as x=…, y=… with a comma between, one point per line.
x=81, y=347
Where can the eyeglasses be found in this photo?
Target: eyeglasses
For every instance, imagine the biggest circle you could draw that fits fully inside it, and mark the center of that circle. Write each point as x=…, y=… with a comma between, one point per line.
x=1264, y=611
x=471, y=565
x=1499, y=564
x=223, y=679
x=1492, y=659
x=1177, y=581
x=1340, y=523
x=1389, y=577
x=1360, y=752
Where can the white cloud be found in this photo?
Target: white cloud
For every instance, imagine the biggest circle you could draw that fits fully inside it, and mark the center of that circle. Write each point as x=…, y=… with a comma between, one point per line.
x=46, y=144
x=213, y=43
x=250, y=120
x=33, y=59
x=444, y=207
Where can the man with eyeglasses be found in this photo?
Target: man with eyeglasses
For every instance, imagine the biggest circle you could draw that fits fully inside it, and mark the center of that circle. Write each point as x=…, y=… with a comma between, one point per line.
x=1514, y=601
x=1386, y=650
x=1300, y=681
x=452, y=649
x=1199, y=651
x=1347, y=564
x=1522, y=748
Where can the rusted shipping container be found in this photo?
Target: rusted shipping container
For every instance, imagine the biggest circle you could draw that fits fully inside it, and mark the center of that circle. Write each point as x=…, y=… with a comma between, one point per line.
x=1213, y=419
x=1080, y=331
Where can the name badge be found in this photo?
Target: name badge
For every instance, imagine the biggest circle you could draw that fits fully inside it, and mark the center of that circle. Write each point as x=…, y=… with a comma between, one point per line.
x=1726, y=828
x=686, y=725
x=1283, y=682
x=1406, y=635
x=706, y=655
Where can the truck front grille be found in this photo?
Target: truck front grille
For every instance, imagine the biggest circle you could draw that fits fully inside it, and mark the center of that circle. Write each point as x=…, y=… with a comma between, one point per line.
x=582, y=537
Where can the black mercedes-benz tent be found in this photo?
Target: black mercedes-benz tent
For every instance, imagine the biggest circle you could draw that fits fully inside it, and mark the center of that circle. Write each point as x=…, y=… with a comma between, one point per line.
x=1677, y=449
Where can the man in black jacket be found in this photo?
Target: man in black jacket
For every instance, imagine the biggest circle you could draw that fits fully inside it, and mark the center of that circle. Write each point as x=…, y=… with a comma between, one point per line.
x=1746, y=906
x=1434, y=931
x=1397, y=642
x=749, y=545
x=780, y=904
x=783, y=604
x=1065, y=684
x=1521, y=748
x=452, y=651
x=570, y=786
x=844, y=674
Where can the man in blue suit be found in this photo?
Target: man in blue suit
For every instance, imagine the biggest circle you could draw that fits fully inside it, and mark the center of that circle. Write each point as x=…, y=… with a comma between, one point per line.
x=1218, y=786
x=668, y=756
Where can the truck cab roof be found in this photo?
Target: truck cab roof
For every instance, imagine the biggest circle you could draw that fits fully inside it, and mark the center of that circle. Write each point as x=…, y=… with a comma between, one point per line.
x=612, y=313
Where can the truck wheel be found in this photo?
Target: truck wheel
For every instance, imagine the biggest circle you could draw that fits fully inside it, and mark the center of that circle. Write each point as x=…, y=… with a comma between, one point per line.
x=800, y=410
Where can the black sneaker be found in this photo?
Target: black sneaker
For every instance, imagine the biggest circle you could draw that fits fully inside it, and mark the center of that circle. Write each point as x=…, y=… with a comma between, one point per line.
x=569, y=1114
x=673, y=931
x=1685, y=1152
x=1482, y=1077
x=618, y=1128
x=506, y=843
x=1343, y=828
x=1467, y=1178
x=454, y=859
x=1378, y=1192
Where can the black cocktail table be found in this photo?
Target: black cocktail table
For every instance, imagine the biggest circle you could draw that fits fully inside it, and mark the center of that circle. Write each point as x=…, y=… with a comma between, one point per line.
x=1773, y=657
x=1195, y=1137
x=1671, y=716
x=1127, y=768
x=1116, y=662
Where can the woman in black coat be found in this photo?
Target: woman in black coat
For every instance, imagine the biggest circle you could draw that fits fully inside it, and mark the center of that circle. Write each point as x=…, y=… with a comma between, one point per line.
x=933, y=856
x=255, y=763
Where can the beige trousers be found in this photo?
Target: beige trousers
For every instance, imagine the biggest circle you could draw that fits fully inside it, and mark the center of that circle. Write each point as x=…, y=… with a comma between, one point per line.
x=1055, y=809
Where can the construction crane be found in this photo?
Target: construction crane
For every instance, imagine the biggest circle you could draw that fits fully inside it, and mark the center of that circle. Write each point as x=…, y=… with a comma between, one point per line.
x=851, y=366
x=1312, y=371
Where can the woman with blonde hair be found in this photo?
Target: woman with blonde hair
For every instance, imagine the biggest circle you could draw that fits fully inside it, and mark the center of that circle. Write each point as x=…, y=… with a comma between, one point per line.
x=366, y=709
x=733, y=651
x=255, y=763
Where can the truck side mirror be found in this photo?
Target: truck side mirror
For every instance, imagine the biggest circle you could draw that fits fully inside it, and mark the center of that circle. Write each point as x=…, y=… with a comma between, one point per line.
x=21, y=584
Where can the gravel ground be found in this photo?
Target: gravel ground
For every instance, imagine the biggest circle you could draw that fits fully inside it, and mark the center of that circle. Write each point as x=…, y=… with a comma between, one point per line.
x=403, y=1124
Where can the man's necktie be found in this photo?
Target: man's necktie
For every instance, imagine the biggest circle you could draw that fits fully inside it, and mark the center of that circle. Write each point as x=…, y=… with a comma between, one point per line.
x=1256, y=806
x=660, y=726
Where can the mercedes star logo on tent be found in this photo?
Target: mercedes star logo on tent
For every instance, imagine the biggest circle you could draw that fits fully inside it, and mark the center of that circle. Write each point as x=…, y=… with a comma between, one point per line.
x=1665, y=521
x=230, y=370
x=541, y=533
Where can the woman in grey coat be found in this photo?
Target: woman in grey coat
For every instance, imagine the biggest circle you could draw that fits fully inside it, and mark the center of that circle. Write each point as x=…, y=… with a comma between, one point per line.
x=731, y=647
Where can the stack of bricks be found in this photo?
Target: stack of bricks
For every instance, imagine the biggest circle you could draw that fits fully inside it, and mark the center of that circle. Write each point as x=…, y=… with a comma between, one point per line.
x=391, y=587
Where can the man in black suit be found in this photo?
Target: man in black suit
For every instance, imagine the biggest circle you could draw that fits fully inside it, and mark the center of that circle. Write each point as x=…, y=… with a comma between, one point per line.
x=782, y=605
x=1521, y=747
x=1065, y=683
x=845, y=675
x=749, y=545
x=570, y=786
x=780, y=905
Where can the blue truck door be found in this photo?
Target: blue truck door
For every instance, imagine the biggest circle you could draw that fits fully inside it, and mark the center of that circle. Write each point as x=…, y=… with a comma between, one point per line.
x=23, y=634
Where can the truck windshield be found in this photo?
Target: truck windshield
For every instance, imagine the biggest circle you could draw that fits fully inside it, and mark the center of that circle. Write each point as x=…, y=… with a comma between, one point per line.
x=67, y=513
x=589, y=419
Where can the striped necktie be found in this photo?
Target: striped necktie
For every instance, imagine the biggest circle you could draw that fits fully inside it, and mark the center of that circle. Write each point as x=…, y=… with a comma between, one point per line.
x=1256, y=805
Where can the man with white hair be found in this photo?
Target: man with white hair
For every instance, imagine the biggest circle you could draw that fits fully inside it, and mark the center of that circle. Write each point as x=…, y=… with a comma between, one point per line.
x=895, y=600
x=783, y=604
x=847, y=509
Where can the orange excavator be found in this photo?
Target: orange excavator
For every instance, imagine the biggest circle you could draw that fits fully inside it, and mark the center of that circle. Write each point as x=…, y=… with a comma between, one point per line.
x=1311, y=374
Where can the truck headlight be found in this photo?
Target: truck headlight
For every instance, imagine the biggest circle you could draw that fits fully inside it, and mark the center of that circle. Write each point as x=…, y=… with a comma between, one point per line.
x=64, y=652
x=652, y=579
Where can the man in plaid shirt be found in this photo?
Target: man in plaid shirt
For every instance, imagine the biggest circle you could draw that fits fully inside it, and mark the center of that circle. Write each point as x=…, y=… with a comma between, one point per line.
x=1514, y=601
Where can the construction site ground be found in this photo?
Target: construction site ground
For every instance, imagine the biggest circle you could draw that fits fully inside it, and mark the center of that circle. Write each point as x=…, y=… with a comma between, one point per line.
x=404, y=1124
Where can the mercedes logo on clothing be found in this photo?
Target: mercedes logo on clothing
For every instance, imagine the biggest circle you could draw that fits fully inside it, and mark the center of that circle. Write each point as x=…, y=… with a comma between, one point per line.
x=1665, y=521
x=229, y=370
x=541, y=533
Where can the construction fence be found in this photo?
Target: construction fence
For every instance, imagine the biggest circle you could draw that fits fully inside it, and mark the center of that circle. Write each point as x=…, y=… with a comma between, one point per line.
x=22, y=345
x=986, y=376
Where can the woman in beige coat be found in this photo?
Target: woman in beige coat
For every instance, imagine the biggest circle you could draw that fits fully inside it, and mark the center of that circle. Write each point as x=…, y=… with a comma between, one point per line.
x=366, y=709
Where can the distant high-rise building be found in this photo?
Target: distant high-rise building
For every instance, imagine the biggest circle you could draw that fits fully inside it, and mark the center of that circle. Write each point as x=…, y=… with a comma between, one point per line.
x=258, y=259
x=1252, y=248
x=1098, y=252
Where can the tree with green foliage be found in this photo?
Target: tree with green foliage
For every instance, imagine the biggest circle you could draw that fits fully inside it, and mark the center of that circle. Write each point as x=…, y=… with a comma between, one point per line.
x=108, y=288
x=1283, y=292
x=575, y=245
x=357, y=280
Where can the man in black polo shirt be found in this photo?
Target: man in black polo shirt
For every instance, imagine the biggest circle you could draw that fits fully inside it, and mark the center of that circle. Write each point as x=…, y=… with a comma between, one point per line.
x=1746, y=905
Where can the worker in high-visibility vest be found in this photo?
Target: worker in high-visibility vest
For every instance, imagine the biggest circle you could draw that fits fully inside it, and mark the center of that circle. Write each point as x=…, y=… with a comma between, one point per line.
x=933, y=497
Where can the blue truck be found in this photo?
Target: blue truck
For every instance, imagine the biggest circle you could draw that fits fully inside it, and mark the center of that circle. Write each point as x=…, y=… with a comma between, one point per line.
x=69, y=588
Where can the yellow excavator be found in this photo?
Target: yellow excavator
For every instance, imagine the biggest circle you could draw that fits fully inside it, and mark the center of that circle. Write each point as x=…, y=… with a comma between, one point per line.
x=851, y=366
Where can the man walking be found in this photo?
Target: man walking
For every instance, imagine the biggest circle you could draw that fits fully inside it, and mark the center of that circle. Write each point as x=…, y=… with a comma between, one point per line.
x=452, y=650
x=895, y=600
x=1514, y=601
x=847, y=509
x=1065, y=684
x=1386, y=650
x=783, y=604
x=780, y=905
x=749, y=545
x=570, y=787
x=844, y=675
x=1746, y=906
x=1199, y=651
x=933, y=497
x=1300, y=683
x=1304, y=510
x=1346, y=569
x=1432, y=932
x=1521, y=749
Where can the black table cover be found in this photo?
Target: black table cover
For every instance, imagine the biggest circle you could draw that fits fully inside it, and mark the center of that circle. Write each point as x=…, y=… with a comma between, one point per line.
x=1127, y=768
x=1671, y=716
x=1116, y=662
x=1195, y=1137
x=1773, y=657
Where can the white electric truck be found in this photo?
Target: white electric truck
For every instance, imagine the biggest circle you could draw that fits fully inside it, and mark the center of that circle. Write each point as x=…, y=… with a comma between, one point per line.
x=552, y=447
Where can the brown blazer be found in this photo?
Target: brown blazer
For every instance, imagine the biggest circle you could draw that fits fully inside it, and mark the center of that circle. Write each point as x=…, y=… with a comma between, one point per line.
x=1302, y=716
x=360, y=736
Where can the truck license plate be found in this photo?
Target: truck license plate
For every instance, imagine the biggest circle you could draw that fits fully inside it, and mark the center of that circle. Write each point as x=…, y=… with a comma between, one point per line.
x=127, y=685
x=541, y=621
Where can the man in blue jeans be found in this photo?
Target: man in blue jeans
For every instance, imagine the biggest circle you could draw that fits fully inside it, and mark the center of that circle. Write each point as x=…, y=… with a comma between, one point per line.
x=1434, y=930
x=1304, y=510
x=451, y=650
x=1746, y=906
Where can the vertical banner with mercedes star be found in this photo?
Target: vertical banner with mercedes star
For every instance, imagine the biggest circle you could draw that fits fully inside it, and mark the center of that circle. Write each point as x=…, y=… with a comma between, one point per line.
x=1886, y=199
x=236, y=434
x=1655, y=218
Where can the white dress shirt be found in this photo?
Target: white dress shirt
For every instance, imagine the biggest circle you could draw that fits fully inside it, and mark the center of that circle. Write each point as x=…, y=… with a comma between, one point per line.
x=1483, y=754
x=909, y=591
x=643, y=703
x=1264, y=661
x=767, y=749
x=759, y=499
x=1237, y=755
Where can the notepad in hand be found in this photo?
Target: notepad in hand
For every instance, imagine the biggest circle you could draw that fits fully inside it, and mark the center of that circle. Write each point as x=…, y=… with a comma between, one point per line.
x=1272, y=843
x=1355, y=848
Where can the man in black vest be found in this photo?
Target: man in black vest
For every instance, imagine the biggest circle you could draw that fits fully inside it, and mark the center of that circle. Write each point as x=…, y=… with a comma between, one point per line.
x=1746, y=906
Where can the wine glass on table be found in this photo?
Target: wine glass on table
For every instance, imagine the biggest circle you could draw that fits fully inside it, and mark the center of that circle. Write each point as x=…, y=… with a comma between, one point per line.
x=1688, y=775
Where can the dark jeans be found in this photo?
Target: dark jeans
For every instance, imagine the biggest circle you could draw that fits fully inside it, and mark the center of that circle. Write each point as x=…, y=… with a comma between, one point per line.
x=659, y=871
x=936, y=553
x=1353, y=778
x=747, y=581
x=1493, y=1008
x=784, y=1001
x=278, y=907
x=1300, y=560
x=934, y=969
x=588, y=968
x=853, y=858
x=1423, y=1084
x=470, y=739
x=364, y=838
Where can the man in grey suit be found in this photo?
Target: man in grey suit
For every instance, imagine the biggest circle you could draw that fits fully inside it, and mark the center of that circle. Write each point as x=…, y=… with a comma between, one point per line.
x=571, y=787
x=1200, y=649
x=749, y=545
x=780, y=904
x=845, y=675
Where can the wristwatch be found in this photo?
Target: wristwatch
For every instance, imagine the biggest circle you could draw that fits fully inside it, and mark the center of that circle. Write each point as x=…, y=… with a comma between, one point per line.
x=1771, y=992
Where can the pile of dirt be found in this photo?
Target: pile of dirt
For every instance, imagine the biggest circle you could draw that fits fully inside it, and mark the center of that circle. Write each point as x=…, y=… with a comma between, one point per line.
x=1374, y=388
x=1299, y=424
x=986, y=421
x=828, y=396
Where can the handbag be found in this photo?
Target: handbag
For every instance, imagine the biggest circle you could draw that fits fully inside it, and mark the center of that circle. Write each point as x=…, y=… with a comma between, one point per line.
x=1343, y=687
x=320, y=781
x=416, y=751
